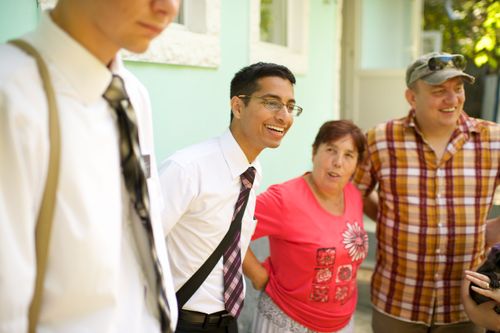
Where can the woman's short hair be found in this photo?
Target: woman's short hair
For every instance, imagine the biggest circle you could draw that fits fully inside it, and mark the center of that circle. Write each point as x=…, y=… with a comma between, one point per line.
x=335, y=129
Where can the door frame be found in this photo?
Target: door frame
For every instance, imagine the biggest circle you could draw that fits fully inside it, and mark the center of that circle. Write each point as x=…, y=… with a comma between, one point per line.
x=352, y=75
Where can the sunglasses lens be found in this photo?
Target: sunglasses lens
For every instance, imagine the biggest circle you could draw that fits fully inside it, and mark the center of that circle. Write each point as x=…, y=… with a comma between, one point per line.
x=440, y=62
x=434, y=64
x=459, y=62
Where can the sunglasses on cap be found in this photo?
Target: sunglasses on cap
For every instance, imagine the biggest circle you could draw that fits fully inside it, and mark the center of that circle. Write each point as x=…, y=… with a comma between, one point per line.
x=440, y=62
x=437, y=68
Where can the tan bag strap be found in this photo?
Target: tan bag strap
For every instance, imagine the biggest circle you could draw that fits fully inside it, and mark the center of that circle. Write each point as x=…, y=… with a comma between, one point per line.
x=46, y=213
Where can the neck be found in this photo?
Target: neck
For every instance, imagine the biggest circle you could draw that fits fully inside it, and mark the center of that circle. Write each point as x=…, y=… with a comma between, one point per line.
x=438, y=138
x=438, y=135
x=333, y=202
x=74, y=22
x=434, y=131
x=250, y=152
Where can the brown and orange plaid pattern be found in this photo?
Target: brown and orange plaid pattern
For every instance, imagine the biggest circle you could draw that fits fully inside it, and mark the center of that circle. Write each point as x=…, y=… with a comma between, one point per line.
x=431, y=222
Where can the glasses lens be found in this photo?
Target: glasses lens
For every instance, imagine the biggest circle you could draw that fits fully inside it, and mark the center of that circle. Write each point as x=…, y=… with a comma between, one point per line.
x=273, y=105
x=295, y=111
x=459, y=62
x=440, y=62
x=277, y=106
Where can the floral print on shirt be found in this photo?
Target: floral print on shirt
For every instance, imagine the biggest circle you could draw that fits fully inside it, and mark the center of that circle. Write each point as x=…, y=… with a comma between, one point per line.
x=356, y=241
x=323, y=274
x=344, y=273
x=342, y=294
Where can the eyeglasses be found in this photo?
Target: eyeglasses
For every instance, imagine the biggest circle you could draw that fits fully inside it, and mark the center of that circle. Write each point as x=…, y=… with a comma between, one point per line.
x=440, y=62
x=276, y=106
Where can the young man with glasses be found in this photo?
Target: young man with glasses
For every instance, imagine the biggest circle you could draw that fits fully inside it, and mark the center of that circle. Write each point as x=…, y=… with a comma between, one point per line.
x=205, y=189
x=102, y=272
x=434, y=173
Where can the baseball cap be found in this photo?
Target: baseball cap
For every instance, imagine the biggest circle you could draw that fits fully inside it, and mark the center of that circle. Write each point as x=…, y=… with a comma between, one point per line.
x=436, y=67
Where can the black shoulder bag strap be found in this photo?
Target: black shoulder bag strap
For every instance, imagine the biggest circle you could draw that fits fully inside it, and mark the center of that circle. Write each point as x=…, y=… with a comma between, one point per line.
x=195, y=281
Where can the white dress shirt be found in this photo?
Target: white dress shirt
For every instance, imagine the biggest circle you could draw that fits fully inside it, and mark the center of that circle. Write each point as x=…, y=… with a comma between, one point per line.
x=95, y=281
x=200, y=186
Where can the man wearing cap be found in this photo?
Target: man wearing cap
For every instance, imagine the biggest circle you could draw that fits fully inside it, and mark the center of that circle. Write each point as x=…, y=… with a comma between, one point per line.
x=435, y=172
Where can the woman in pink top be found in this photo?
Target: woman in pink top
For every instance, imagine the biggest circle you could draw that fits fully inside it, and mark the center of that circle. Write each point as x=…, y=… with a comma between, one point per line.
x=317, y=240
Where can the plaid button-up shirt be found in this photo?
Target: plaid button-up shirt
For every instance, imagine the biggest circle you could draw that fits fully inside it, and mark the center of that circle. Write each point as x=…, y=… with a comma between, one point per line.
x=431, y=216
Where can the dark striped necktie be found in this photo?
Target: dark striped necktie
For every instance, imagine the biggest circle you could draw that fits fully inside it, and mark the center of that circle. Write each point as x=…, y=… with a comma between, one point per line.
x=233, y=277
x=133, y=170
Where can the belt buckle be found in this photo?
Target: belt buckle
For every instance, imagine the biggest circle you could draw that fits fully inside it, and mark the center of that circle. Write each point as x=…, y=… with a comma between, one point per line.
x=225, y=319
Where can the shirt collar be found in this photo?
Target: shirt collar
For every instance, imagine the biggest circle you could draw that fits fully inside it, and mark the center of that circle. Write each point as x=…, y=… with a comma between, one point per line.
x=235, y=157
x=467, y=124
x=86, y=75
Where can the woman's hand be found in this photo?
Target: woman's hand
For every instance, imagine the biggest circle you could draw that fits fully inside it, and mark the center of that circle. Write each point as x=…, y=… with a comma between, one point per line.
x=483, y=314
x=483, y=283
x=254, y=270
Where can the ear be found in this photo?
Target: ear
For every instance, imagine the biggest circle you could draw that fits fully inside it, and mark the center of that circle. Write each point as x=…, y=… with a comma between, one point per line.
x=410, y=96
x=236, y=107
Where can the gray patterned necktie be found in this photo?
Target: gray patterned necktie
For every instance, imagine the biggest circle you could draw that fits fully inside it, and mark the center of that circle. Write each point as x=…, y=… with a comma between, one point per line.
x=233, y=277
x=133, y=170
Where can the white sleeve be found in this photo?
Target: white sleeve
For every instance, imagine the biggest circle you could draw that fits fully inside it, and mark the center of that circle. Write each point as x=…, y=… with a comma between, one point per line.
x=23, y=168
x=177, y=191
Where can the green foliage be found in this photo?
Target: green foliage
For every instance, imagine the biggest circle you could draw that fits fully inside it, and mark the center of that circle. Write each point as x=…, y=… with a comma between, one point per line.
x=266, y=20
x=473, y=29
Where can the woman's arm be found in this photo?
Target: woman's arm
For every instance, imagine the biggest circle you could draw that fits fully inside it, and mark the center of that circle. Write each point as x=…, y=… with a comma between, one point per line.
x=254, y=270
x=483, y=282
x=370, y=205
x=482, y=314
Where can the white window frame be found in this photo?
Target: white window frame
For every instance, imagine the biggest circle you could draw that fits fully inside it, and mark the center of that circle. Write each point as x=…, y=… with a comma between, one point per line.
x=434, y=38
x=295, y=54
x=195, y=43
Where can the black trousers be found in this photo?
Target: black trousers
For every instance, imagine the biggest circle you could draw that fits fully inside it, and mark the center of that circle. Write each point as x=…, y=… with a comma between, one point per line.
x=186, y=324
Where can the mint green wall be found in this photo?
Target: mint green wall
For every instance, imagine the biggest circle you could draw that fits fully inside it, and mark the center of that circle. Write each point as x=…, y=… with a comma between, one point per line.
x=192, y=104
x=314, y=92
x=17, y=17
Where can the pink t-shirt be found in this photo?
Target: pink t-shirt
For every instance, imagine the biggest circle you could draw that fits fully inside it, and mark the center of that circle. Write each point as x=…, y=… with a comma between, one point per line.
x=314, y=254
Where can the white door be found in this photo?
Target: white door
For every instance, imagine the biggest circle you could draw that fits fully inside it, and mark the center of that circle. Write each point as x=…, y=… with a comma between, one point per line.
x=379, y=39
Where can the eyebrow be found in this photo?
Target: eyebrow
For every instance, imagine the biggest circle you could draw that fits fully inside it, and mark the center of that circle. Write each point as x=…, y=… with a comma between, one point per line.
x=459, y=82
x=276, y=97
x=442, y=86
x=333, y=145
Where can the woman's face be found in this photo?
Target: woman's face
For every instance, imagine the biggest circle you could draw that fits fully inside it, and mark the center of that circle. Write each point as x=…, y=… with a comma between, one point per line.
x=334, y=164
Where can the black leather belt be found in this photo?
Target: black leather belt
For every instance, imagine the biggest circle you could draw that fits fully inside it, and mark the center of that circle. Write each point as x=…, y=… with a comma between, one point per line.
x=217, y=319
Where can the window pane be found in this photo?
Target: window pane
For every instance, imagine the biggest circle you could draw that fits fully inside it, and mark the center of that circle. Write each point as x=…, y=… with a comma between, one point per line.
x=386, y=34
x=273, y=21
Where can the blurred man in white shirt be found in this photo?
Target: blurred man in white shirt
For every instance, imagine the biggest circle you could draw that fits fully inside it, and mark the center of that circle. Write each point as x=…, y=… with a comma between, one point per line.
x=96, y=279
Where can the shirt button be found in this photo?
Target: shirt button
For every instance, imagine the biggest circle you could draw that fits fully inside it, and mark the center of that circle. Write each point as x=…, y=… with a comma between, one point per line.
x=436, y=275
x=438, y=195
x=438, y=250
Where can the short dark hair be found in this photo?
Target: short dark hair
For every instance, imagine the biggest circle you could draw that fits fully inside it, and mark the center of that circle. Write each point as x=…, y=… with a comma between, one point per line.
x=335, y=129
x=245, y=80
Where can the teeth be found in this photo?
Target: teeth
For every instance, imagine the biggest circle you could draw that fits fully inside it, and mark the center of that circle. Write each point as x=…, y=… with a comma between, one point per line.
x=448, y=110
x=275, y=128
